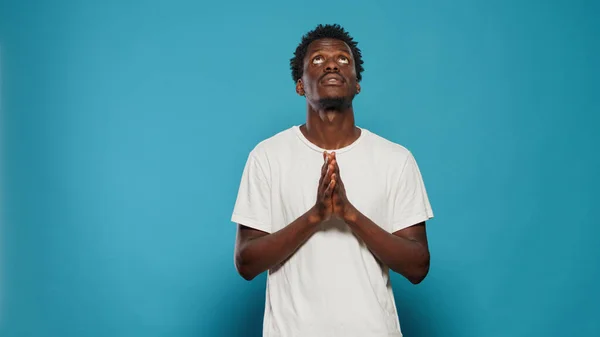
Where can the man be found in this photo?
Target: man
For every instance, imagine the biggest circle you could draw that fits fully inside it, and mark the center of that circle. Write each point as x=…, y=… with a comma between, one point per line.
x=327, y=208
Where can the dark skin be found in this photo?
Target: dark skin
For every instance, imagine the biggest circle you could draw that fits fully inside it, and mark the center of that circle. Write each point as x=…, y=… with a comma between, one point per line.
x=329, y=85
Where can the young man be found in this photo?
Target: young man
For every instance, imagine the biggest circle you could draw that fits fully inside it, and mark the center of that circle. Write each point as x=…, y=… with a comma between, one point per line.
x=327, y=208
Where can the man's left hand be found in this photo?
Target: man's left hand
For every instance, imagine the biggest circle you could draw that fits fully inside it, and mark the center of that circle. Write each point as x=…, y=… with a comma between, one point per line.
x=342, y=208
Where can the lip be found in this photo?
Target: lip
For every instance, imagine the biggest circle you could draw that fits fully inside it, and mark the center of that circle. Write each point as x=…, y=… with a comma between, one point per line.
x=332, y=80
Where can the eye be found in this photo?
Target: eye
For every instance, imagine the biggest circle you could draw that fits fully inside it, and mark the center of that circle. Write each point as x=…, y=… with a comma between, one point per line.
x=344, y=60
x=318, y=60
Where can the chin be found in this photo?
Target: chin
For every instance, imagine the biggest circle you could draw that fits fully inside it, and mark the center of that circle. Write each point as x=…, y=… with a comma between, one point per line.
x=333, y=102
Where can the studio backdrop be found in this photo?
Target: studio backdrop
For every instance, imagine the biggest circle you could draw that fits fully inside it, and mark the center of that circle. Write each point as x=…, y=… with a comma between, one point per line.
x=125, y=126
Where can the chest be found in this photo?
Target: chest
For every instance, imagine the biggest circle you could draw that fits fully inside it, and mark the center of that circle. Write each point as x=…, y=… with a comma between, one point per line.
x=295, y=187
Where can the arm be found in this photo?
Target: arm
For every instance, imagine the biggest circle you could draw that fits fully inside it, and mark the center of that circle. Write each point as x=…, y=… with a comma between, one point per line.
x=405, y=251
x=257, y=251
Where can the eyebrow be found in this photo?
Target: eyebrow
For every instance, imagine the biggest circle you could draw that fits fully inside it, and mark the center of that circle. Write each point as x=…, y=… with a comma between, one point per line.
x=321, y=49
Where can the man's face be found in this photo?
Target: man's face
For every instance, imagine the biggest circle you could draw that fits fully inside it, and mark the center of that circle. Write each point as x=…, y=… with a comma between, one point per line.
x=329, y=72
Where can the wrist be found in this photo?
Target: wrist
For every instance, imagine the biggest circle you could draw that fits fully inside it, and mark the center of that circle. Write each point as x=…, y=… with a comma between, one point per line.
x=313, y=216
x=351, y=214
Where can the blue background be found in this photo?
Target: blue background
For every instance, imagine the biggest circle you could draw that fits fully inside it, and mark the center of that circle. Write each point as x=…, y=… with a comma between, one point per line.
x=126, y=125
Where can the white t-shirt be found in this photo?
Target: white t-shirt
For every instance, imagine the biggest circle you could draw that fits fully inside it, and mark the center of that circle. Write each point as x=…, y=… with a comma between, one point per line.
x=332, y=285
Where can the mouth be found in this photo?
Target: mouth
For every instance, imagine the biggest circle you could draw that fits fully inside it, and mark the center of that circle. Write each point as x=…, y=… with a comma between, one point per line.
x=332, y=80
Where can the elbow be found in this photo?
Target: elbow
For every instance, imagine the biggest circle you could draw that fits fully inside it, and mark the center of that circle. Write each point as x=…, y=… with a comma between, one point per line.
x=417, y=278
x=245, y=273
x=243, y=268
x=420, y=271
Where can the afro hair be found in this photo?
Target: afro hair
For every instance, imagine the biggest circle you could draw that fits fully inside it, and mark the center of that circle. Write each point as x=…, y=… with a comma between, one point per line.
x=334, y=31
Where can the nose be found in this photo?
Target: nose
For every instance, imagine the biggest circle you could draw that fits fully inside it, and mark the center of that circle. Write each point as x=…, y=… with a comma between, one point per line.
x=331, y=66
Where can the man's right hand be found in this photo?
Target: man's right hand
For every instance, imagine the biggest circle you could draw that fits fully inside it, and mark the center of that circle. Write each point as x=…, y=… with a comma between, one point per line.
x=257, y=251
x=323, y=208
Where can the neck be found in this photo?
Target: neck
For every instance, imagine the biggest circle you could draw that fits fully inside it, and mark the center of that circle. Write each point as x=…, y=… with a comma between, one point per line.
x=330, y=129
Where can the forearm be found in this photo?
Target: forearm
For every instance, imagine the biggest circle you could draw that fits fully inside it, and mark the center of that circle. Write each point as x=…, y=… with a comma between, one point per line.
x=407, y=257
x=262, y=253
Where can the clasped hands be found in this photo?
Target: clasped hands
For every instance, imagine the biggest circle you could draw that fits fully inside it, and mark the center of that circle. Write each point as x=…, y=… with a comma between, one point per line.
x=331, y=194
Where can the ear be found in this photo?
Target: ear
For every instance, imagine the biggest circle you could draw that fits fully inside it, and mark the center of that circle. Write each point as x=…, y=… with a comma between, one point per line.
x=357, y=88
x=300, y=87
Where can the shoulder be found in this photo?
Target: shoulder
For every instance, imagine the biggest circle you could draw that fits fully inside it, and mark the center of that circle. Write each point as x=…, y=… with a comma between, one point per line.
x=273, y=145
x=388, y=150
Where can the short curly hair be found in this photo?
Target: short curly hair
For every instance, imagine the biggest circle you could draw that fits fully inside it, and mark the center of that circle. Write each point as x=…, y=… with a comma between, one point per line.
x=333, y=31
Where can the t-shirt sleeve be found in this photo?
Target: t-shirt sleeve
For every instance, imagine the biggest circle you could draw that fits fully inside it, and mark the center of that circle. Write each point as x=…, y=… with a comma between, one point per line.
x=409, y=201
x=253, y=204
